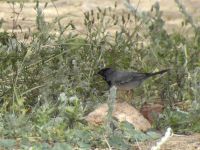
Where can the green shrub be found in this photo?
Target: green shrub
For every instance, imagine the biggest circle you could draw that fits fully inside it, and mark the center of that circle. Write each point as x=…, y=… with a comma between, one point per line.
x=48, y=84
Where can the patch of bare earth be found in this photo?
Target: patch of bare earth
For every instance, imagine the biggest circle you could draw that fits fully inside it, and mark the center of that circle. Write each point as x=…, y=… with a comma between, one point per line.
x=74, y=9
x=176, y=142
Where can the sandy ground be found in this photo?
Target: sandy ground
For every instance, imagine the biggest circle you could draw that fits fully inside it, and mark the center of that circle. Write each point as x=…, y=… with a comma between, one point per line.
x=74, y=10
x=176, y=142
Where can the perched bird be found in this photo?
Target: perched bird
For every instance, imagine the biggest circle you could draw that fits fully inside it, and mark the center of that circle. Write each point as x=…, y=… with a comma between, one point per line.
x=125, y=80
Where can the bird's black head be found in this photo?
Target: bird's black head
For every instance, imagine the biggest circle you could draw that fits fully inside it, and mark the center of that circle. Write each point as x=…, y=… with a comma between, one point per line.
x=104, y=72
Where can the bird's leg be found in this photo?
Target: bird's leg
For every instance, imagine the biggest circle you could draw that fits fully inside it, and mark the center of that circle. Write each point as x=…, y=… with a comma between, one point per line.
x=129, y=95
x=124, y=95
x=121, y=96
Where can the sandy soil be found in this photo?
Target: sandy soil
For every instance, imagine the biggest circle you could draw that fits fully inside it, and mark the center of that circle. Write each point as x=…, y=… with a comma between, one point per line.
x=176, y=142
x=74, y=10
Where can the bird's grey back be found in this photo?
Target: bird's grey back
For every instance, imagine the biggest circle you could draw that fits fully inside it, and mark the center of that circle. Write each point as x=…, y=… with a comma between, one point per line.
x=126, y=80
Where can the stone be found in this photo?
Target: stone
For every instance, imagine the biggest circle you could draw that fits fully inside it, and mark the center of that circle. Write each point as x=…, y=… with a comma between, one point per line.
x=122, y=112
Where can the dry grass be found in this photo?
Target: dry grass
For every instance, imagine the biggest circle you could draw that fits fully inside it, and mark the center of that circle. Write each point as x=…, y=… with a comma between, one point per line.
x=74, y=10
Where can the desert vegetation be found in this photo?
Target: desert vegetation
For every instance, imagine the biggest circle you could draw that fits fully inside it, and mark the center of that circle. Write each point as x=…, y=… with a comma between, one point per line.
x=48, y=83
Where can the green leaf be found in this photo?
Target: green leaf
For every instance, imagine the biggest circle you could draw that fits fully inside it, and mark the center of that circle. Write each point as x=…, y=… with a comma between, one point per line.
x=131, y=133
x=117, y=142
x=84, y=146
x=7, y=143
x=153, y=134
x=62, y=146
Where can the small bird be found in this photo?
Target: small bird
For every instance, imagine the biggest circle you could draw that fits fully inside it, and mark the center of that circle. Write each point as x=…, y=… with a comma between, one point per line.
x=124, y=80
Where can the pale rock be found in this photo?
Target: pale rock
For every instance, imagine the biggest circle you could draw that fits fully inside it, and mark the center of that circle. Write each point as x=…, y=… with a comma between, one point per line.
x=123, y=112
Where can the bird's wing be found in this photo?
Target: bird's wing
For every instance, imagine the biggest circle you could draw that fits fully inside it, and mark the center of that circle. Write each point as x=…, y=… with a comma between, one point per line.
x=120, y=77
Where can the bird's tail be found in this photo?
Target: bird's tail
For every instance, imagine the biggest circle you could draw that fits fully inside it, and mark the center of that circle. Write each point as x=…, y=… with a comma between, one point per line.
x=159, y=72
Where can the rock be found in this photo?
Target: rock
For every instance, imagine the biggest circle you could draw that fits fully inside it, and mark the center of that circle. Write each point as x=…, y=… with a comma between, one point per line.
x=151, y=111
x=123, y=112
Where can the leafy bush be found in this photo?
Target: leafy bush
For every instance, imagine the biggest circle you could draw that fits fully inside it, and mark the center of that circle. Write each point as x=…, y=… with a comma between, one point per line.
x=48, y=82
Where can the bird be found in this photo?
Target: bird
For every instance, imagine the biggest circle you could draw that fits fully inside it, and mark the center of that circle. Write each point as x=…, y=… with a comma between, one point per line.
x=125, y=80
